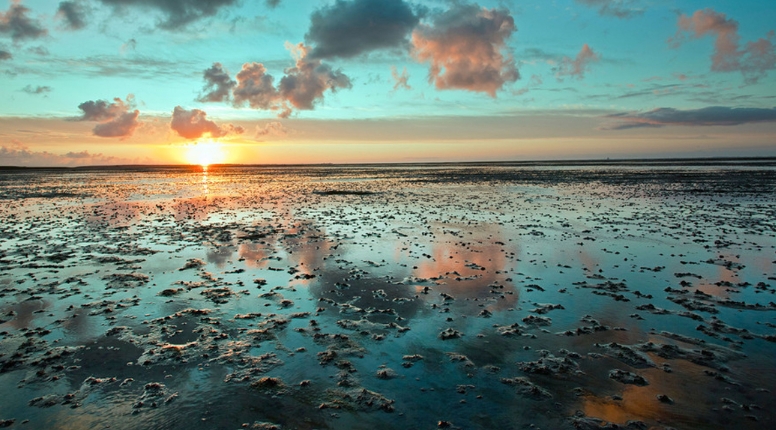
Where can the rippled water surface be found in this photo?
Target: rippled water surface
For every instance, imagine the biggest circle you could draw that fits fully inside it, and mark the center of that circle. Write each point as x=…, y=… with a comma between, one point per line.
x=458, y=296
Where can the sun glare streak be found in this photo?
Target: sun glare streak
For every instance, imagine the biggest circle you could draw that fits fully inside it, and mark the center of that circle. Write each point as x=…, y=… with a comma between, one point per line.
x=205, y=153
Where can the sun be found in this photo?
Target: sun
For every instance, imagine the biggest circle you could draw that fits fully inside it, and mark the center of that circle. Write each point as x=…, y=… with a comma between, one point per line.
x=205, y=153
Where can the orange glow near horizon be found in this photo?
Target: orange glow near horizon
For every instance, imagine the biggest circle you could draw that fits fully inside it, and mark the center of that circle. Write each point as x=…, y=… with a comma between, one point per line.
x=206, y=153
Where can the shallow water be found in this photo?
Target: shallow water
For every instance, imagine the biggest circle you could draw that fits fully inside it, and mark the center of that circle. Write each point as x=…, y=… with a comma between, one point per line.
x=479, y=296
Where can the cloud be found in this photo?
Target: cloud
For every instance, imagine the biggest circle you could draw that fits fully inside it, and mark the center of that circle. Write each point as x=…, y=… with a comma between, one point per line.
x=464, y=46
x=29, y=89
x=273, y=128
x=302, y=86
x=350, y=28
x=616, y=8
x=576, y=68
x=709, y=116
x=129, y=45
x=178, y=13
x=18, y=25
x=272, y=3
x=400, y=81
x=73, y=13
x=115, y=119
x=193, y=124
x=121, y=126
x=255, y=87
x=753, y=61
x=18, y=154
x=38, y=50
x=218, y=84
x=82, y=154
x=5, y=55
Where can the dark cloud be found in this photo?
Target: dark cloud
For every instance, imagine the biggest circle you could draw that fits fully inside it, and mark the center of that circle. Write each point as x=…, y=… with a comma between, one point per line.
x=218, y=84
x=73, y=13
x=301, y=87
x=29, y=89
x=350, y=28
x=400, y=81
x=272, y=3
x=255, y=87
x=115, y=119
x=193, y=124
x=753, y=60
x=709, y=116
x=18, y=25
x=304, y=85
x=576, y=68
x=5, y=55
x=466, y=46
x=615, y=8
x=178, y=13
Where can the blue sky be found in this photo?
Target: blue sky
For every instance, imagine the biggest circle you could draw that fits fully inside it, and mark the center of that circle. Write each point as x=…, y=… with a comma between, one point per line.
x=597, y=78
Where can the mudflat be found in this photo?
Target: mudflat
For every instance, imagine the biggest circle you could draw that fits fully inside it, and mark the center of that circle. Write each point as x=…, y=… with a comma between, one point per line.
x=511, y=295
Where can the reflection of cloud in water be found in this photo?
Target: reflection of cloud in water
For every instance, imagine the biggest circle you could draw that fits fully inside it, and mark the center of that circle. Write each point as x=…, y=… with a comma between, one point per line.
x=476, y=262
x=26, y=312
x=687, y=385
x=254, y=254
x=219, y=256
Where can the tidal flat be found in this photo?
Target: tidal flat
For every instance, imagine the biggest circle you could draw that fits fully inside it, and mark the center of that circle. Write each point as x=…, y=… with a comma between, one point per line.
x=492, y=296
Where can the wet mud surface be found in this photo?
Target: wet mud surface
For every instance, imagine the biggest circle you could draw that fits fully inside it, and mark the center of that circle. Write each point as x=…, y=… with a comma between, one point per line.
x=444, y=296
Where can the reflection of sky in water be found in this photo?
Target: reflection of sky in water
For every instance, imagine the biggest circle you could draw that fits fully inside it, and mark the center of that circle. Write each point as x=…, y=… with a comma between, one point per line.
x=199, y=277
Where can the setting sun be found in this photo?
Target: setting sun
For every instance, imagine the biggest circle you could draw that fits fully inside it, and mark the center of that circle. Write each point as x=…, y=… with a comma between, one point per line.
x=205, y=153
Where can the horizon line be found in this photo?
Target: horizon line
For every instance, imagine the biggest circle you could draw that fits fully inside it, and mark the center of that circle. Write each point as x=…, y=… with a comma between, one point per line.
x=641, y=160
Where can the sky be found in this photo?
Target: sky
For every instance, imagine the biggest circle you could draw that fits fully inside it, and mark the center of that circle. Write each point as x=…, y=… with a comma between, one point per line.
x=103, y=82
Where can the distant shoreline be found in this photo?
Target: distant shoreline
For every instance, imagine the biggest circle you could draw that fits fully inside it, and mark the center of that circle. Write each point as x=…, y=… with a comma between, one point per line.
x=709, y=161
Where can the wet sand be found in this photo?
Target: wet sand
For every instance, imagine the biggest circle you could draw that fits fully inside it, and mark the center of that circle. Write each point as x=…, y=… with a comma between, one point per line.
x=588, y=296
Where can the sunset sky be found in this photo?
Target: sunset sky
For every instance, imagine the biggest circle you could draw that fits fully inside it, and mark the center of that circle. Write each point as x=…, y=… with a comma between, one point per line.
x=288, y=81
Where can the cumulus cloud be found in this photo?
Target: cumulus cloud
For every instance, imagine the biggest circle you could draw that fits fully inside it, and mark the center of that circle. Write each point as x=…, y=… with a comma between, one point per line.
x=121, y=126
x=255, y=87
x=753, y=60
x=193, y=124
x=29, y=89
x=466, y=47
x=349, y=28
x=400, y=81
x=18, y=25
x=615, y=8
x=115, y=119
x=709, y=116
x=577, y=67
x=73, y=13
x=218, y=84
x=177, y=13
x=302, y=86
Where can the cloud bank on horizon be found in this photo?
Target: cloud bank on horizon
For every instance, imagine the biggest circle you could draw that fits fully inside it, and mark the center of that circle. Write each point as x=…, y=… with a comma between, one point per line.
x=628, y=65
